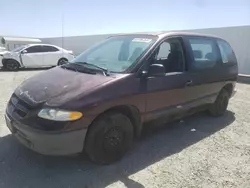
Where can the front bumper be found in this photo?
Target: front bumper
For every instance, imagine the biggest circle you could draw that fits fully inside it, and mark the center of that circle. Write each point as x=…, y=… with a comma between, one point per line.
x=56, y=143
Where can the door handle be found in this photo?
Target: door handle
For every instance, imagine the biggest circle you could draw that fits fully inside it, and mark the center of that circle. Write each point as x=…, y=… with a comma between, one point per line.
x=189, y=83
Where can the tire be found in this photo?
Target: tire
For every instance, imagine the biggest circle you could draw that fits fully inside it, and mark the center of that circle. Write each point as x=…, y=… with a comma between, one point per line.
x=109, y=138
x=62, y=61
x=11, y=65
x=220, y=105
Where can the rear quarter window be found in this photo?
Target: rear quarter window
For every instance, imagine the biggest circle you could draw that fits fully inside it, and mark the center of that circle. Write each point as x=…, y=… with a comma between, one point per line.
x=49, y=49
x=227, y=53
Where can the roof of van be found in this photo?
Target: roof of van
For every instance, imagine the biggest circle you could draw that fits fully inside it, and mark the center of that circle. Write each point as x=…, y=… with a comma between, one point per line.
x=170, y=33
x=163, y=34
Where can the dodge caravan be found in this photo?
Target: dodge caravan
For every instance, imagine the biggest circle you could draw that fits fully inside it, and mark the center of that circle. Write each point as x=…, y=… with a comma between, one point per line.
x=101, y=100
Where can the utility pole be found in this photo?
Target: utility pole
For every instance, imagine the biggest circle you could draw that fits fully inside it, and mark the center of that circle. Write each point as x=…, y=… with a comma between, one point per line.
x=62, y=29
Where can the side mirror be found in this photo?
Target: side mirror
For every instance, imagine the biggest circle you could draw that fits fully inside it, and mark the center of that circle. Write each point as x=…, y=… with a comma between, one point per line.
x=156, y=70
x=24, y=52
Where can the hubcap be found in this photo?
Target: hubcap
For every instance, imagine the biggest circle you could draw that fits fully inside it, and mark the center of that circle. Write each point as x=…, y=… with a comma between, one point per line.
x=12, y=66
x=61, y=62
x=113, y=139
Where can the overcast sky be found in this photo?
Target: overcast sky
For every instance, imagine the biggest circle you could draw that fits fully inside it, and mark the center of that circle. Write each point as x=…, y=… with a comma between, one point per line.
x=49, y=18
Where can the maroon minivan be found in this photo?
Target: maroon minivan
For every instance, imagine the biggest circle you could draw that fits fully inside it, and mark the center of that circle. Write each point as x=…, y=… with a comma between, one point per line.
x=100, y=101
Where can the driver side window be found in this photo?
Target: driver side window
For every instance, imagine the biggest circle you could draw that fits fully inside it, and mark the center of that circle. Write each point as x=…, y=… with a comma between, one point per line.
x=164, y=51
x=170, y=55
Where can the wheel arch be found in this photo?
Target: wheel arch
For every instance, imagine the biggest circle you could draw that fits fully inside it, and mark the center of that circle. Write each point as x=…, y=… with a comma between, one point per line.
x=132, y=112
x=61, y=58
x=5, y=60
x=229, y=88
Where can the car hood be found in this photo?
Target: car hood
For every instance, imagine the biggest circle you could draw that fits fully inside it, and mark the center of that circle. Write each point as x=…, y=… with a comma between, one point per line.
x=57, y=86
x=4, y=52
x=9, y=54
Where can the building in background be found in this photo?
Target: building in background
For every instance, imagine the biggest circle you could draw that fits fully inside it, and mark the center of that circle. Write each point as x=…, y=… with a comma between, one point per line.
x=10, y=43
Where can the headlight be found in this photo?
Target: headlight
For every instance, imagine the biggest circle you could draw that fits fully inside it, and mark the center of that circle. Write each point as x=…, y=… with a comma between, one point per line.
x=59, y=115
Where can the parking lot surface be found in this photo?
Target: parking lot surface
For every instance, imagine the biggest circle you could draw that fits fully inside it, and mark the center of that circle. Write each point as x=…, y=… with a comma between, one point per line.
x=199, y=151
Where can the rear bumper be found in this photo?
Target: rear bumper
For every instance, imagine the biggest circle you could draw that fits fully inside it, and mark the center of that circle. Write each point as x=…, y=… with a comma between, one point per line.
x=63, y=143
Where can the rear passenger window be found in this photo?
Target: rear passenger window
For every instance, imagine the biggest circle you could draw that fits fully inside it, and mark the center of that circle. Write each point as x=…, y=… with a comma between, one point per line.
x=49, y=49
x=226, y=52
x=204, y=53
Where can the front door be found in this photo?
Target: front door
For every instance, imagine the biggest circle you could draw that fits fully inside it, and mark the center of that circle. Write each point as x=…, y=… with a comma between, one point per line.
x=167, y=94
x=32, y=56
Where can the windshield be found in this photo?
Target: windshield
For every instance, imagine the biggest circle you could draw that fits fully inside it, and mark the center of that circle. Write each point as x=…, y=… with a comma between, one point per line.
x=116, y=54
x=18, y=49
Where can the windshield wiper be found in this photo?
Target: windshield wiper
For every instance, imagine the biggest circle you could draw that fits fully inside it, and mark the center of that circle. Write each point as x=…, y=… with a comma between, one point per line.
x=65, y=66
x=104, y=70
x=77, y=68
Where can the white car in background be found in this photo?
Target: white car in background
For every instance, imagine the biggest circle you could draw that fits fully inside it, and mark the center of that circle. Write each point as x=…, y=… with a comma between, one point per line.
x=2, y=49
x=35, y=56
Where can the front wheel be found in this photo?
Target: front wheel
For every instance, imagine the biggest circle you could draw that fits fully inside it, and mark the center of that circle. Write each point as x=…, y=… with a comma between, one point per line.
x=12, y=65
x=109, y=138
x=220, y=105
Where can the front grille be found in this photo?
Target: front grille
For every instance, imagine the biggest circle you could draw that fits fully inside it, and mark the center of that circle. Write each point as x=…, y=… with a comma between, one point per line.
x=21, y=113
x=18, y=107
x=24, y=112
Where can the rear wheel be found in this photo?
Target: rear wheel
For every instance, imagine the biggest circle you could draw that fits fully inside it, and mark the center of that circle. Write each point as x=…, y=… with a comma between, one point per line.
x=109, y=138
x=220, y=105
x=11, y=65
x=62, y=61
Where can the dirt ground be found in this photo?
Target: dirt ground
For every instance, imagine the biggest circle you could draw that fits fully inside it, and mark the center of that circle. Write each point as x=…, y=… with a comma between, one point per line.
x=199, y=151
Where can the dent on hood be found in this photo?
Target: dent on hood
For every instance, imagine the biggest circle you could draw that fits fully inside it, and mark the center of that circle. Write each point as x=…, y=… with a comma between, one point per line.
x=46, y=91
x=57, y=86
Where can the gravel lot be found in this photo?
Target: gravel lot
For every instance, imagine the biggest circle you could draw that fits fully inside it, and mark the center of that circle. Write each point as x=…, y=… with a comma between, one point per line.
x=199, y=151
